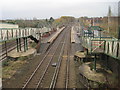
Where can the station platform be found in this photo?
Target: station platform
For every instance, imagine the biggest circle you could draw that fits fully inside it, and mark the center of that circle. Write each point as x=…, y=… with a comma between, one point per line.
x=52, y=36
x=15, y=54
x=80, y=54
x=100, y=75
x=74, y=37
x=46, y=39
x=55, y=35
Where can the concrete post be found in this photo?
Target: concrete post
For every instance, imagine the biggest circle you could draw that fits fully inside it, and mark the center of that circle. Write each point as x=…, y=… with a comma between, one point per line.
x=24, y=44
x=20, y=43
x=17, y=41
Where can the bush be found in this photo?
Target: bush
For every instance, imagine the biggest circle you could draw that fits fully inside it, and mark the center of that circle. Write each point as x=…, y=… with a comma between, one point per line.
x=22, y=58
x=5, y=63
x=33, y=45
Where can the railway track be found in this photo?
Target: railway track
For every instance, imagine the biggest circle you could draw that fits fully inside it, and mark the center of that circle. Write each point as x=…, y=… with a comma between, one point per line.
x=42, y=83
x=8, y=44
x=37, y=76
x=65, y=51
x=56, y=72
x=47, y=76
x=6, y=49
x=84, y=81
x=68, y=62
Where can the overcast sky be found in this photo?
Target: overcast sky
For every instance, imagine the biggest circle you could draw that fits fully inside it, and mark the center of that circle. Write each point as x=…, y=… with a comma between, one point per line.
x=15, y=9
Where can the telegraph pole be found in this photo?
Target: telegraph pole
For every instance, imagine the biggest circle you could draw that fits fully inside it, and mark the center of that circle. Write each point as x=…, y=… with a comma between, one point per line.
x=109, y=15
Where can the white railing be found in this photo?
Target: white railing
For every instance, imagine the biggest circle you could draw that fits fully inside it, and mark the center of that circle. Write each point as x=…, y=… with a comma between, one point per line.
x=8, y=34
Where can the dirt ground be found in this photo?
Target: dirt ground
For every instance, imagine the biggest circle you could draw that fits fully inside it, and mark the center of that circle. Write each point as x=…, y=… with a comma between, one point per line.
x=19, y=70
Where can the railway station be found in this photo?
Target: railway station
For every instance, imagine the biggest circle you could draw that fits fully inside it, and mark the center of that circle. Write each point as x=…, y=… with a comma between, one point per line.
x=64, y=53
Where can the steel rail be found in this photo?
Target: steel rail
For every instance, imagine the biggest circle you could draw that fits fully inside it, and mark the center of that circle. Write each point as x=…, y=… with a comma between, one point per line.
x=55, y=76
x=3, y=56
x=40, y=81
x=38, y=66
x=68, y=63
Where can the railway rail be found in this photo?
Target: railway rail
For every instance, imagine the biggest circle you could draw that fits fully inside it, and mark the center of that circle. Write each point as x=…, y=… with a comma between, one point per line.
x=7, y=48
x=56, y=72
x=68, y=63
x=47, y=75
x=48, y=66
x=38, y=74
x=64, y=52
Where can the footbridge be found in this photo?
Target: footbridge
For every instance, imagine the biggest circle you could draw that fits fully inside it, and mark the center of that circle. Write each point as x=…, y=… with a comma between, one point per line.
x=9, y=34
x=20, y=37
x=107, y=46
x=96, y=42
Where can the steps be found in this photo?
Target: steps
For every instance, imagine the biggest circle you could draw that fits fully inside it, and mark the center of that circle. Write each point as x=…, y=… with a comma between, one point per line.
x=34, y=39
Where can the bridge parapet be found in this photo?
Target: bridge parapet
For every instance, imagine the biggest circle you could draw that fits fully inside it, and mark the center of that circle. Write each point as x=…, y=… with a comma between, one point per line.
x=107, y=46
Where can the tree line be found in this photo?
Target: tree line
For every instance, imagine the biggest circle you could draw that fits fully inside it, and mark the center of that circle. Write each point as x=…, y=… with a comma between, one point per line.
x=39, y=23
